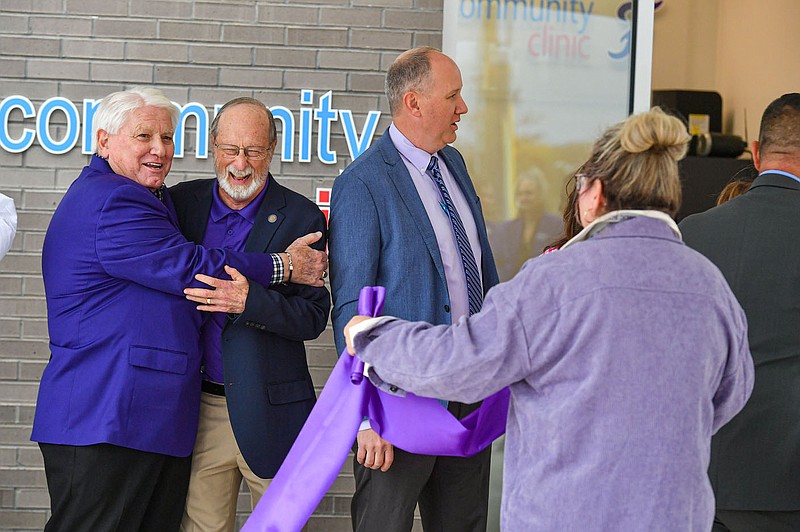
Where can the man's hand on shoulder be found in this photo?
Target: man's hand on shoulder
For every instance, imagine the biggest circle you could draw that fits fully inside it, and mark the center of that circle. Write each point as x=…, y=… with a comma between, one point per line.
x=308, y=265
x=373, y=451
x=225, y=295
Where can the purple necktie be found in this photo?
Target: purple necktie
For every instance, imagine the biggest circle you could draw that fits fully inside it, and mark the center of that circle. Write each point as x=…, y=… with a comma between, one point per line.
x=415, y=424
x=474, y=290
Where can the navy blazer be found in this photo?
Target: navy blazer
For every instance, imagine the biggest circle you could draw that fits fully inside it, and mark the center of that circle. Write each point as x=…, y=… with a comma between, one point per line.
x=125, y=364
x=381, y=235
x=267, y=384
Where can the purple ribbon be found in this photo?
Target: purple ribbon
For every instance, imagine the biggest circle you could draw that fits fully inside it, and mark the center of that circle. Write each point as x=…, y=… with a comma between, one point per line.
x=415, y=424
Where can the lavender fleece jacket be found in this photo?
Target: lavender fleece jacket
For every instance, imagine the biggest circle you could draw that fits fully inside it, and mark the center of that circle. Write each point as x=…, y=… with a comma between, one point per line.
x=624, y=354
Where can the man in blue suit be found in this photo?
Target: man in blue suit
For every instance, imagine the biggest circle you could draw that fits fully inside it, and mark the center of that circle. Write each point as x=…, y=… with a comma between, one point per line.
x=405, y=215
x=117, y=411
x=257, y=391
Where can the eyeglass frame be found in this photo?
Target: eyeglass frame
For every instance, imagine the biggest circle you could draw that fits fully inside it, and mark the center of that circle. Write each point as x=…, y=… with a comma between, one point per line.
x=580, y=181
x=246, y=149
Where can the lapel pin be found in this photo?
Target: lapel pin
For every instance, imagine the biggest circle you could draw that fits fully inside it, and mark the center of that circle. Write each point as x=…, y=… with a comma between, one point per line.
x=272, y=218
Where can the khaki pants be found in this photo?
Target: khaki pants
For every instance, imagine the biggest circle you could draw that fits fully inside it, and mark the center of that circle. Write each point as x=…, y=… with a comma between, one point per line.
x=217, y=472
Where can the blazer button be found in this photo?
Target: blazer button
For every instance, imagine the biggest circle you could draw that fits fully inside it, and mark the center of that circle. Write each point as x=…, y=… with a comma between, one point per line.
x=447, y=308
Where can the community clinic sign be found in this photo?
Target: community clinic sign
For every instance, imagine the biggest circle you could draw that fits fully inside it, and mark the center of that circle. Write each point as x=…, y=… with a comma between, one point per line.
x=321, y=117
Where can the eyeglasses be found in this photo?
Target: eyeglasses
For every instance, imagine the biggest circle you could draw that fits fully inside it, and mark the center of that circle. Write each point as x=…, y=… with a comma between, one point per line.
x=580, y=180
x=255, y=153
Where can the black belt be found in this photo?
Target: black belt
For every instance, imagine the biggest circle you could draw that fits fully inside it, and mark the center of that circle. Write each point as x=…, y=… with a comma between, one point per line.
x=214, y=388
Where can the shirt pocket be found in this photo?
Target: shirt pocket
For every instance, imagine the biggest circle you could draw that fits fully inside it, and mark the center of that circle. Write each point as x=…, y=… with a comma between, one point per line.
x=158, y=359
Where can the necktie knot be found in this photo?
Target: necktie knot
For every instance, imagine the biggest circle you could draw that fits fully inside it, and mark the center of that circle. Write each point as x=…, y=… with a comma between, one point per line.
x=433, y=166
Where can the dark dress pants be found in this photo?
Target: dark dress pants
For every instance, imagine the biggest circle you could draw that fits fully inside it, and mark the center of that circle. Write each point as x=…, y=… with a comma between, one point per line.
x=756, y=521
x=453, y=493
x=109, y=488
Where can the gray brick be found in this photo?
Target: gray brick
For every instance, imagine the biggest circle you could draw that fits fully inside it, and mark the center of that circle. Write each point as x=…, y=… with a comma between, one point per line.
x=181, y=9
x=229, y=10
x=77, y=91
x=384, y=3
x=9, y=285
x=33, y=327
x=365, y=17
x=156, y=51
x=93, y=48
x=96, y=7
x=349, y=59
x=33, y=498
x=380, y=39
x=58, y=69
x=240, y=33
x=42, y=200
x=189, y=31
x=30, y=178
x=35, y=90
x=122, y=72
x=29, y=46
x=273, y=14
x=25, y=349
x=221, y=55
x=16, y=24
x=13, y=477
x=32, y=242
x=48, y=25
x=31, y=371
x=22, y=307
x=366, y=82
x=428, y=4
x=25, y=416
x=285, y=57
x=17, y=392
x=23, y=520
x=34, y=6
x=10, y=327
x=122, y=28
x=183, y=75
x=30, y=455
x=316, y=37
x=315, y=80
x=387, y=59
x=428, y=39
x=9, y=370
x=33, y=220
x=12, y=68
x=251, y=77
x=416, y=19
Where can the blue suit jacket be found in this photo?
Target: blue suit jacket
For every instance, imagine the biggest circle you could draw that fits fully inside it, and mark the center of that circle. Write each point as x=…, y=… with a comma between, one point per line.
x=380, y=234
x=267, y=384
x=125, y=364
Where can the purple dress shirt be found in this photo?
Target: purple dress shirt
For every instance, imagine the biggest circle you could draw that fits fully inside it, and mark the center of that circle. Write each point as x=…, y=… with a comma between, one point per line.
x=226, y=229
x=623, y=353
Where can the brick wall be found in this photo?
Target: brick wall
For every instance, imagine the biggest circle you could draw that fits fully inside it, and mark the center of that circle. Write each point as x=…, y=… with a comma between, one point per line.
x=202, y=51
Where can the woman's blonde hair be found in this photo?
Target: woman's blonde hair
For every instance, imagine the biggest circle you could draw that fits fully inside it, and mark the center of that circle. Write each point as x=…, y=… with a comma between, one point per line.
x=637, y=162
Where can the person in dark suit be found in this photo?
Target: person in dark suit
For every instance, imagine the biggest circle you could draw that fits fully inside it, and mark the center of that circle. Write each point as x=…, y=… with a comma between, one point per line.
x=755, y=459
x=116, y=416
x=405, y=215
x=257, y=391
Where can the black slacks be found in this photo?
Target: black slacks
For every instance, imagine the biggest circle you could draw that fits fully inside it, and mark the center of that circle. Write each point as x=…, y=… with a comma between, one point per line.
x=106, y=488
x=453, y=494
x=756, y=521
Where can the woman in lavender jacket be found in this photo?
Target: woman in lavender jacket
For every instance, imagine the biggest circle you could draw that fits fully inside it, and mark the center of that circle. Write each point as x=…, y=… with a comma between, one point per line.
x=624, y=351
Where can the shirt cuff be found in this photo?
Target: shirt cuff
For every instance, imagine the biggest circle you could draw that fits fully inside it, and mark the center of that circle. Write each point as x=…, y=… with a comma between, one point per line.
x=277, y=269
x=365, y=425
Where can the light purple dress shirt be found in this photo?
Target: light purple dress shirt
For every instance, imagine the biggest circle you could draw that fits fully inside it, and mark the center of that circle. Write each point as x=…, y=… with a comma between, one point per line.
x=416, y=161
x=229, y=229
x=624, y=354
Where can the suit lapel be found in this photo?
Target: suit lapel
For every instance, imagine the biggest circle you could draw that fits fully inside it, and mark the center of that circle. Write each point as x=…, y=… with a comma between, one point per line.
x=270, y=217
x=400, y=178
x=197, y=216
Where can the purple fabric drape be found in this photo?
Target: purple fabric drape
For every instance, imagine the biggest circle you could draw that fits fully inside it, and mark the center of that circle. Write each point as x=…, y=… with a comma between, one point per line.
x=415, y=424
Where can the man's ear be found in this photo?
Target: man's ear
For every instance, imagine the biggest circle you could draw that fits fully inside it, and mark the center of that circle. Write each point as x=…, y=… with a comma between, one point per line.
x=102, y=142
x=755, y=150
x=411, y=103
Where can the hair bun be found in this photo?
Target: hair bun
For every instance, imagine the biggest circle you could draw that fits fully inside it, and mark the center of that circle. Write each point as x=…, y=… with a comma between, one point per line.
x=657, y=132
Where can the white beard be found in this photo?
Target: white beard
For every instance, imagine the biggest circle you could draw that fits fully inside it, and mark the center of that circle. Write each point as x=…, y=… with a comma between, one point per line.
x=237, y=191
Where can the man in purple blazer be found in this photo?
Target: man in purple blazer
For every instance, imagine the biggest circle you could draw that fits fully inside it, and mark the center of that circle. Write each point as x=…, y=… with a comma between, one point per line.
x=117, y=412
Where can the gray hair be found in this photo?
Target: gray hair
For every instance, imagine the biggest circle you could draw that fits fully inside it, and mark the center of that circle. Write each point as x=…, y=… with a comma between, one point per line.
x=410, y=71
x=113, y=111
x=273, y=132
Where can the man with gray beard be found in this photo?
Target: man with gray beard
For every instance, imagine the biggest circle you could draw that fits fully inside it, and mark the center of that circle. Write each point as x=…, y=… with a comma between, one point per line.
x=257, y=391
